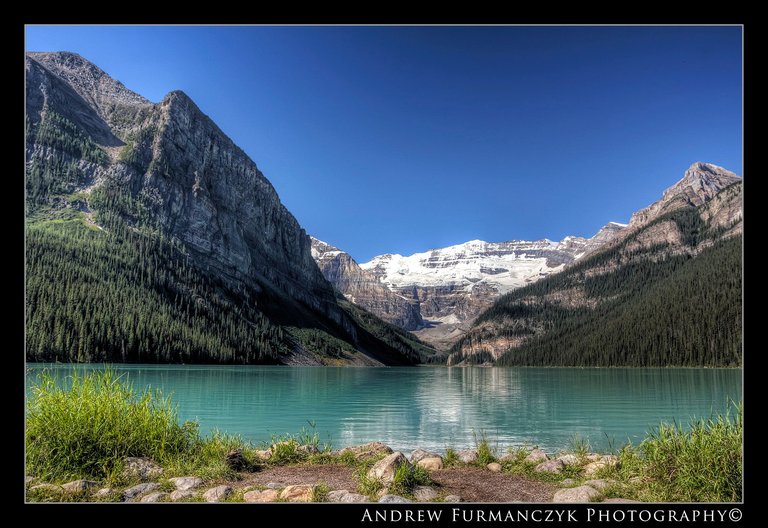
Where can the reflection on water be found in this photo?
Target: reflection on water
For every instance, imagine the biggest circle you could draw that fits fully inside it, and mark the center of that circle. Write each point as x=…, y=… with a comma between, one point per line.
x=435, y=408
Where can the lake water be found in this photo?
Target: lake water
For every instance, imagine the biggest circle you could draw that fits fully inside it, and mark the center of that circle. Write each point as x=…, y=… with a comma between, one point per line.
x=438, y=407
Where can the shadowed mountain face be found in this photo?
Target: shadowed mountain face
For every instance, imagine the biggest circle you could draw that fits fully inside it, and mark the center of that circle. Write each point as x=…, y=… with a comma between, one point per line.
x=363, y=289
x=107, y=168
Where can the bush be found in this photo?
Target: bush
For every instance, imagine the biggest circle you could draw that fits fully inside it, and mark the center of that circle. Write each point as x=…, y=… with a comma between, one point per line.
x=87, y=430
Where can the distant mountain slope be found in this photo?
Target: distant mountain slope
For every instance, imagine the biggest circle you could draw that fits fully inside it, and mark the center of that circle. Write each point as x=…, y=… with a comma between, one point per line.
x=152, y=237
x=666, y=291
x=362, y=288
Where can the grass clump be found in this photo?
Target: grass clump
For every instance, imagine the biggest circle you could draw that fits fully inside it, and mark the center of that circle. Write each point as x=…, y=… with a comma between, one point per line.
x=702, y=464
x=300, y=447
x=485, y=453
x=320, y=492
x=86, y=431
x=451, y=459
x=406, y=478
x=579, y=446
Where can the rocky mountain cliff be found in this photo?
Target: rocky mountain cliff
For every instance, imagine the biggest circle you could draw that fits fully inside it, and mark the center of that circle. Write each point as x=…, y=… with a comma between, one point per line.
x=363, y=289
x=125, y=170
x=665, y=290
x=700, y=183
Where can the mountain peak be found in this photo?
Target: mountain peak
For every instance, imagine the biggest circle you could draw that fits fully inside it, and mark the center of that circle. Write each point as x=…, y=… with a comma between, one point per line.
x=701, y=166
x=700, y=183
x=91, y=82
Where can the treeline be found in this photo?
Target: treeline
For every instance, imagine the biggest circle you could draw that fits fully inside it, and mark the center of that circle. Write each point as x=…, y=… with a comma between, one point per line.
x=59, y=133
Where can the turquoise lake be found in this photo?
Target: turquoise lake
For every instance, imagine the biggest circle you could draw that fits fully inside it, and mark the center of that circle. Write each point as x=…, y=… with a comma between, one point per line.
x=434, y=408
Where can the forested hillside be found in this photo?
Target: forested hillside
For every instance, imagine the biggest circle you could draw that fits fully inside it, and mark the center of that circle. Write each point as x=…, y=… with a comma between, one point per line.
x=669, y=294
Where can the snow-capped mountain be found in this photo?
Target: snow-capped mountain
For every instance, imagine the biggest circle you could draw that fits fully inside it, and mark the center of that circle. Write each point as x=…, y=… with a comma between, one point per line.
x=453, y=285
x=501, y=265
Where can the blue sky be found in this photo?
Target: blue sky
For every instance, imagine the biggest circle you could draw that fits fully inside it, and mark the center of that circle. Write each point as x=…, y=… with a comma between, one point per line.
x=401, y=139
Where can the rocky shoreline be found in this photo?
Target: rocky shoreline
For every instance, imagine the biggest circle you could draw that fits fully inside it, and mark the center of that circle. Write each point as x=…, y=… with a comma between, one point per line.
x=365, y=473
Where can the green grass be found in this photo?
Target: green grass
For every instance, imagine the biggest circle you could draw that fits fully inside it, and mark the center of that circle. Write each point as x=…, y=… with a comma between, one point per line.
x=579, y=446
x=407, y=477
x=485, y=452
x=451, y=459
x=86, y=430
x=701, y=464
x=320, y=492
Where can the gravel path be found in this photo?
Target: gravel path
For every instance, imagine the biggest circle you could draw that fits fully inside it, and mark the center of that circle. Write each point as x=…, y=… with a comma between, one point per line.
x=471, y=484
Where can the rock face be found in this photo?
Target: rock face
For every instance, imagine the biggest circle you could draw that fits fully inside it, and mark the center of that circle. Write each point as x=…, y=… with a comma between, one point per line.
x=199, y=184
x=363, y=289
x=607, y=234
x=169, y=169
x=700, y=183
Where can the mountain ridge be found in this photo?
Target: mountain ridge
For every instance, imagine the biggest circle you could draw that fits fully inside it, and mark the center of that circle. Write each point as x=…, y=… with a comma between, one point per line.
x=666, y=291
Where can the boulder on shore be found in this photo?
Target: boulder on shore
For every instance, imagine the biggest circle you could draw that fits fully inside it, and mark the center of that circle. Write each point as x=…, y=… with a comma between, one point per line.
x=536, y=456
x=141, y=468
x=468, y=456
x=577, y=494
x=384, y=469
x=550, y=466
x=369, y=450
x=431, y=463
